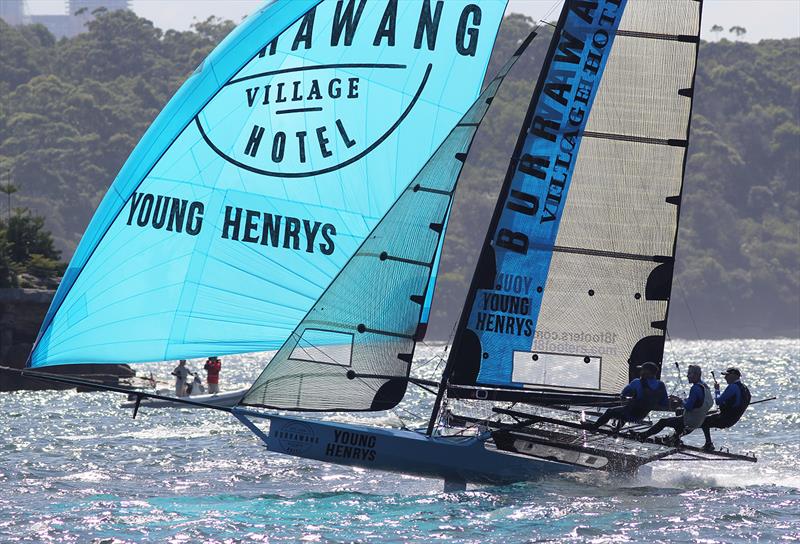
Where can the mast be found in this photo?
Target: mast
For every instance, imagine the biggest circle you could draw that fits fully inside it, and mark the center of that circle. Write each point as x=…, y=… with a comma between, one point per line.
x=504, y=190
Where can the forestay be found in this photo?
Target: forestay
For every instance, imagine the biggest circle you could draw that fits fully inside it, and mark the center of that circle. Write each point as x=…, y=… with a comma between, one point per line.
x=262, y=176
x=353, y=350
x=573, y=284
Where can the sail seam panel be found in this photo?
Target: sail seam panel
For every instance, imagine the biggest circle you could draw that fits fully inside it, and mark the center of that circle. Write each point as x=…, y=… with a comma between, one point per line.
x=641, y=287
x=495, y=365
x=619, y=199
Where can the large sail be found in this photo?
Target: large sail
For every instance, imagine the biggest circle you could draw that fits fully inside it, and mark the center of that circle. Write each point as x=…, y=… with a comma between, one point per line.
x=573, y=283
x=262, y=176
x=353, y=350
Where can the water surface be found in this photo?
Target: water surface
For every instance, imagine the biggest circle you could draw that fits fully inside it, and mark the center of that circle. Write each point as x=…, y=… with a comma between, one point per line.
x=76, y=468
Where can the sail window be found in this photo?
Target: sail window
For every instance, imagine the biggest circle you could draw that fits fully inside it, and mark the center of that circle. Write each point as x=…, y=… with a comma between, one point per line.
x=326, y=347
x=557, y=370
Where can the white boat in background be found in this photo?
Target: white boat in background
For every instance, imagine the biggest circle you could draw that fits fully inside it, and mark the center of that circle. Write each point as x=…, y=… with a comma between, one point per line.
x=226, y=399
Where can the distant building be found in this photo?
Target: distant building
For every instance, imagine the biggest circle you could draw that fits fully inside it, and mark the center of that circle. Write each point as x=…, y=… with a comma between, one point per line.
x=58, y=25
x=13, y=11
x=70, y=22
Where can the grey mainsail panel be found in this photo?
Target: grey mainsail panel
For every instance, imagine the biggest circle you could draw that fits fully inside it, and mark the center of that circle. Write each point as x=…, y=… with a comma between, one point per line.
x=572, y=289
x=353, y=350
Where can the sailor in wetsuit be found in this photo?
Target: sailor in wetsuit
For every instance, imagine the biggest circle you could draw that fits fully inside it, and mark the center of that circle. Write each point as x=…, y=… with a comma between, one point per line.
x=645, y=393
x=732, y=404
x=694, y=409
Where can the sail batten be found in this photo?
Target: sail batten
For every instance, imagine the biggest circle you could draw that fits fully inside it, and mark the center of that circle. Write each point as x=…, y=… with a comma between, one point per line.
x=572, y=288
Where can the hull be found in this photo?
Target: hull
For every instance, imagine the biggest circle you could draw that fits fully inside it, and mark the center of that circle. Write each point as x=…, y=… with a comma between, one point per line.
x=456, y=460
x=226, y=400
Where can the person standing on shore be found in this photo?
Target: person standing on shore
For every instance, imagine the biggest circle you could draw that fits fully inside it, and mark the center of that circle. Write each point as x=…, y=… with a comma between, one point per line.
x=213, y=366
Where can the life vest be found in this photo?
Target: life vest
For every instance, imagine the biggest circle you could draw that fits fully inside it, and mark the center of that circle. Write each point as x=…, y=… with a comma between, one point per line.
x=694, y=418
x=638, y=408
x=734, y=413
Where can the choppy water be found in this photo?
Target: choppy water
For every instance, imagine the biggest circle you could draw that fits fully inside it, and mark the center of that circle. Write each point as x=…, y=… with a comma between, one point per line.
x=75, y=468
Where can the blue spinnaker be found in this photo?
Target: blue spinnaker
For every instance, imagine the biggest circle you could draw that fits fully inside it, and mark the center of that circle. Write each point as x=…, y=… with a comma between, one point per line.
x=262, y=176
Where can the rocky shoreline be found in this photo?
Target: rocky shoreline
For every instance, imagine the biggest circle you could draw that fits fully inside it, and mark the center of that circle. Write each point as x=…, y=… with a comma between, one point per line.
x=21, y=314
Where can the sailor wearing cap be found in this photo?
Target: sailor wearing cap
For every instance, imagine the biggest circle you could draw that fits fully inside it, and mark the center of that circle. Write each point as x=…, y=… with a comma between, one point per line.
x=732, y=404
x=644, y=394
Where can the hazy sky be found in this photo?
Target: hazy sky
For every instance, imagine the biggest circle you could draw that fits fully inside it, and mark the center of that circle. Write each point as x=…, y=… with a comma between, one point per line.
x=761, y=18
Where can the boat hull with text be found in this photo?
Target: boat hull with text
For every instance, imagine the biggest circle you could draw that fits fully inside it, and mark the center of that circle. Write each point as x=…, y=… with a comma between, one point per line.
x=455, y=459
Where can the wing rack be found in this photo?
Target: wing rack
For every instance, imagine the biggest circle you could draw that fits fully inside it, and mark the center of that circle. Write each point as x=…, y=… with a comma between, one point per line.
x=568, y=442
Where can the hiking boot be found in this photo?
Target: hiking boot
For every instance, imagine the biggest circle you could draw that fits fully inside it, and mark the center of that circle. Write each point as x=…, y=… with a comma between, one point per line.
x=708, y=446
x=674, y=441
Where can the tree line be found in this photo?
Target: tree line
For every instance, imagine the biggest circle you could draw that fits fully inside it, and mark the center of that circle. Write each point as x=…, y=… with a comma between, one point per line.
x=72, y=110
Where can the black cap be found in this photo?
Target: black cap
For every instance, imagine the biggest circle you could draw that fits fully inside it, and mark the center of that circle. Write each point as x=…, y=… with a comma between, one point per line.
x=734, y=371
x=652, y=367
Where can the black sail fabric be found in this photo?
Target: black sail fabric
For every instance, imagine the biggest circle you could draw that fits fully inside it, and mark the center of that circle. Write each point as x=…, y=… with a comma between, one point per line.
x=353, y=350
x=572, y=288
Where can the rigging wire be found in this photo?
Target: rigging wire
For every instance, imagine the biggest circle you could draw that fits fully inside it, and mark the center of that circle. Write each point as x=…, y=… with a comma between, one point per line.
x=688, y=308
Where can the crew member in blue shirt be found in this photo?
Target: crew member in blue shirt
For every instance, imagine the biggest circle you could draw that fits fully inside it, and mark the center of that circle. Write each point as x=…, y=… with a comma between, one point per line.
x=691, y=412
x=732, y=404
x=644, y=394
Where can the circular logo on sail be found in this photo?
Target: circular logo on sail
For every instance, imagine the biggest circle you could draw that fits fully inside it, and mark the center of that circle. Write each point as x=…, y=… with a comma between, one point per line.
x=296, y=437
x=335, y=85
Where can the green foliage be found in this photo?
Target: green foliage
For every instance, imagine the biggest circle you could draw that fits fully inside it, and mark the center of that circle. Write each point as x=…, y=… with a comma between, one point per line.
x=738, y=270
x=26, y=248
x=7, y=276
x=71, y=111
x=40, y=266
x=26, y=236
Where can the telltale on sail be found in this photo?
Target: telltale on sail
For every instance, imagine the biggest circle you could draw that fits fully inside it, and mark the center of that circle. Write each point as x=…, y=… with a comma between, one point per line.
x=295, y=194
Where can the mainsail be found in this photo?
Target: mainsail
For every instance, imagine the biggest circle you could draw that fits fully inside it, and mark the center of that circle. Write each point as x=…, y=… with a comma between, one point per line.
x=263, y=175
x=573, y=283
x=353, y=350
